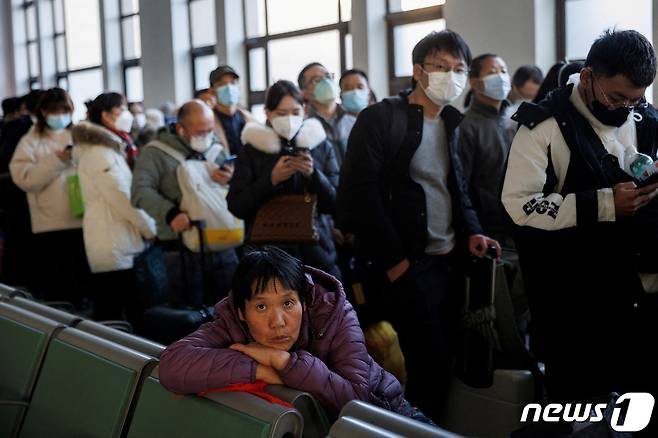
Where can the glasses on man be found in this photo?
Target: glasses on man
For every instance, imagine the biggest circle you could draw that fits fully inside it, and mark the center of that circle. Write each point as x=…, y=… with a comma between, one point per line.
x=639, y=103
x=444, y=68
x=316, y=79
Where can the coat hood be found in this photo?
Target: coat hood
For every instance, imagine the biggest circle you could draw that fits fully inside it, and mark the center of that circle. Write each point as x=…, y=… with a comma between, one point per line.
x=265, y=139
x=325, y=300
x=92, y=134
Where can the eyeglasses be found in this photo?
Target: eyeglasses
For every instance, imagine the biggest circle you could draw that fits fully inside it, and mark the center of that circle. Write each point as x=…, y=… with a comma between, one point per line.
x=317, y=79
x=639, y=103
x=443, y=68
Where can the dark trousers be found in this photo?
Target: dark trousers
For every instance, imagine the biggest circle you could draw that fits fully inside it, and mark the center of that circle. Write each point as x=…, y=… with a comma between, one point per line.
x=61, y=271
x=114, y=293
x=423, y=307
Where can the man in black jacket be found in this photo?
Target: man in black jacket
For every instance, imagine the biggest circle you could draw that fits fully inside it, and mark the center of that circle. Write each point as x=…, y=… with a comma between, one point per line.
x=402, y=193
x=586, y=233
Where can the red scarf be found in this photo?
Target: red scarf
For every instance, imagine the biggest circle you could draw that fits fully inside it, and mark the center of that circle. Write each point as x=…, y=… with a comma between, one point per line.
x=131, y=152
x=257, y=388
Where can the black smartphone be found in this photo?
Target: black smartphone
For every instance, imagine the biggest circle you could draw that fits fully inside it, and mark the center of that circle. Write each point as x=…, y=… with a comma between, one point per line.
x=651, y=180
x=229, y=160
x=292, y=150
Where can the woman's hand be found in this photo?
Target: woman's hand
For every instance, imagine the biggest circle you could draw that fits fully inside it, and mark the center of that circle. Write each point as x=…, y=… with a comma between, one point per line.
x=303, y=163
x=283, y=170
x=267, y=356
x=268, y=375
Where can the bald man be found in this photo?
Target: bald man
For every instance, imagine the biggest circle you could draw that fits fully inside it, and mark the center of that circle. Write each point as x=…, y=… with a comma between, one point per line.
x=155, y=188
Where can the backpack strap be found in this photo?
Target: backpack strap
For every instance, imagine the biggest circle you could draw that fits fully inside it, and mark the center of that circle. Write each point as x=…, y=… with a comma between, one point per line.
x=173, y=153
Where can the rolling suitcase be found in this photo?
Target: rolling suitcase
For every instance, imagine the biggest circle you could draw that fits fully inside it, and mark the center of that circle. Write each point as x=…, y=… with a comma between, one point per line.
x=166, y=324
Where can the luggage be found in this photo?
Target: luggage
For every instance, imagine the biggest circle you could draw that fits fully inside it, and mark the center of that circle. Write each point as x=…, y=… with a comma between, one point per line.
x=165, y=324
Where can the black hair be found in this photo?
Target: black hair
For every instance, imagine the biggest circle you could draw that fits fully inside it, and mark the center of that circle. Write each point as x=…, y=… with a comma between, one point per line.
x=104, y=102
x=201, y=92
x=625, y=52
x=55, y=99
x=476, y=64
x=353, y=71
x=278, y=91
x=11, y=105
x=300, y=77
x=32, y=100
x=259, y=267
x=557, y=76
x=527, y=73
x=445, y=40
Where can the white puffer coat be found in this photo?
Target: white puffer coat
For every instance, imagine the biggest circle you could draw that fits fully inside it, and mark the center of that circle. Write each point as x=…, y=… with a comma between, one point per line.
x=114, y=231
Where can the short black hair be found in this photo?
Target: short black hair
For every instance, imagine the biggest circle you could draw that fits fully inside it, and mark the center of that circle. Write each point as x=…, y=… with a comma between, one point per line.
x=11, y=105
x=300, y=77
x=201, y=92
x=445, y=40
x=476, y=64
x=625, y=52
x=527, y=73
x=353, y=71
x=32, y=100
x=278, y=91
x=259, y=267
x=557, y=76
x=104, y=102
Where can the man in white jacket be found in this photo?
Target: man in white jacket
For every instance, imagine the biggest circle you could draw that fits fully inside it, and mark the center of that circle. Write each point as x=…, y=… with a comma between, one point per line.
x=581, y=221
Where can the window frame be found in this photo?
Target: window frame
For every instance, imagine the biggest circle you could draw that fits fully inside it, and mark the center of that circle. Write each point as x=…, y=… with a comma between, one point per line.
x=396, y=19
x=32, y=79
x=127, y=63
x=258, y=97
x=197, y=52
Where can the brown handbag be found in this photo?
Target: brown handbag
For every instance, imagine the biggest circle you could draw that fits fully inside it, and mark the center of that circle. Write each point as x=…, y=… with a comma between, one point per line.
x=287, y=219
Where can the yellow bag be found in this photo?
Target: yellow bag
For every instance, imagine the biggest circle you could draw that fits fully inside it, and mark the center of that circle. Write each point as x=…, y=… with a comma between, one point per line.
x=383, y=345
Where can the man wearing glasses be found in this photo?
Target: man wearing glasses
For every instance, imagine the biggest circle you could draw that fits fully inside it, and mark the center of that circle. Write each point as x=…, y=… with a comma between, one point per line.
x=403, y=194
x=582, y=222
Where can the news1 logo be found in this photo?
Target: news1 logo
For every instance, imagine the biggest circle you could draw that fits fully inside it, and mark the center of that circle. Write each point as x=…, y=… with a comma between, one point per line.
x=637, y=415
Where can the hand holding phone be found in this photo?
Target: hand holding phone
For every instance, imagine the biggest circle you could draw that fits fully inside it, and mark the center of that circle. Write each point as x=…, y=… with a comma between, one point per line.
x=229, y=160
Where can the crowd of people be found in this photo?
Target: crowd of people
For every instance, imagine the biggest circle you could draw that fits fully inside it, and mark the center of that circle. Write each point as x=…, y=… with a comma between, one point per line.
x=406, y=187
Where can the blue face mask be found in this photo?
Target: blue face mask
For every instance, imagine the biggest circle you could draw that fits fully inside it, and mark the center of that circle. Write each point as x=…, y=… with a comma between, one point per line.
x=497, y=86
x=325, y=91
x=59, y=121
x=356, y=100
x=228, y=94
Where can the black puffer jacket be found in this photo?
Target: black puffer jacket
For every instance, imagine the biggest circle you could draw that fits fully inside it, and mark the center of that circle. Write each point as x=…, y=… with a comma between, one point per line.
x=251, y=186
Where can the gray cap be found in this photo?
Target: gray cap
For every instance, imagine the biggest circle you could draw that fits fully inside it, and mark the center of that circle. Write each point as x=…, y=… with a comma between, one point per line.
x=220, y=71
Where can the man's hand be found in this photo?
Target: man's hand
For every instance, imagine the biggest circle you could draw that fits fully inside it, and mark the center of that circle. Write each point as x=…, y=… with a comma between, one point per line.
x=270, y=357
x=629, y=199
x=180, y=223
x=283, y=170
x=478, y=244
x=398, y=270
x=268, y=375
x=223, y=175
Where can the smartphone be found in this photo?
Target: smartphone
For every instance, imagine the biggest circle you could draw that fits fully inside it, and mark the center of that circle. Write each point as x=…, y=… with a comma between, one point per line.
x=69, y=147
x=291, y=150
x=229, y=160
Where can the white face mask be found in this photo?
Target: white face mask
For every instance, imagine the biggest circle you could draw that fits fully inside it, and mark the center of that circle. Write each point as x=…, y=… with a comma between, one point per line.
x=201, y=143
x=497, y=86
x=287, y=126
x=124, y=122
x=444, y=87
x=140, y=120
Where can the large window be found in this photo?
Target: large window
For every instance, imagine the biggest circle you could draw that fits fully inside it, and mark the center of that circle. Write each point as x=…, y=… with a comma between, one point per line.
x=408, y=21
x=32, y=42
x=78, y=50
x=203, y=37
x=131, y=50
x=282, y=37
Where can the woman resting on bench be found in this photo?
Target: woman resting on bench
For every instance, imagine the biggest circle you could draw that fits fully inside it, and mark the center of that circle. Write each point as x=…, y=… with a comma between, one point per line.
x=288, y=324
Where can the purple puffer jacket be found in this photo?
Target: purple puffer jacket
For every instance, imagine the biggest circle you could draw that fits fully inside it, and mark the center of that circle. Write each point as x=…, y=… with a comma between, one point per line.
x=329, y=360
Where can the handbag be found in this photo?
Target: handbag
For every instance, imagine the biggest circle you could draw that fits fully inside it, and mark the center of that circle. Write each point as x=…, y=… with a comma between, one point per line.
x=287, y=219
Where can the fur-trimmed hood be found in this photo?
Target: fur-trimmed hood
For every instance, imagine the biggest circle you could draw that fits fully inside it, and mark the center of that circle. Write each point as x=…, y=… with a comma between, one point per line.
x=91, y=134
x=265, y=139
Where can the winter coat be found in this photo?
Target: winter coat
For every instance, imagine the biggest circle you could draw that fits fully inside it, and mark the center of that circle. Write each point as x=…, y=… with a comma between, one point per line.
x=155, y=184
x=329, y=359
x=114, y=231
x=36, y=169
x=251, y=186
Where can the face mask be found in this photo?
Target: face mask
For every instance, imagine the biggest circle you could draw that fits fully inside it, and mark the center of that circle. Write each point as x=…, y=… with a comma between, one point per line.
x=325, y=91
x=228, y=94
x=497, y=86
x=444, y=87
x=124, y=122
x=355, y=100
x=140, y=120
x=201, y=143
x=59, y=121
x=615, y=117
x=287, y=126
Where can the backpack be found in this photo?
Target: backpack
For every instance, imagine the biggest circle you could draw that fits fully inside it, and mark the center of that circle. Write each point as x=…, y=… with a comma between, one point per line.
x=204, y=200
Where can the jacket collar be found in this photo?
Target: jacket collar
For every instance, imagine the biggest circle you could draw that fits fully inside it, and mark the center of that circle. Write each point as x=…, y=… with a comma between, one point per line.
x=91, y=134
x=488, y=110
x=450, y=115
x=265, y=139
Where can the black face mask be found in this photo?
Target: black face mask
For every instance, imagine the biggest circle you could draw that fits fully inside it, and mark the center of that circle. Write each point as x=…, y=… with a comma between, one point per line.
x=615, y=117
